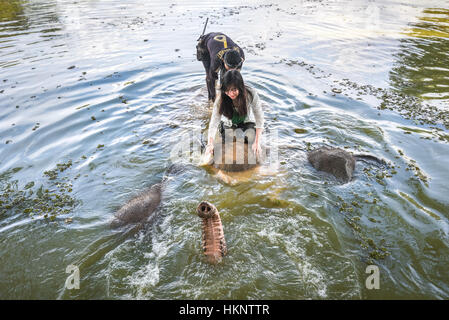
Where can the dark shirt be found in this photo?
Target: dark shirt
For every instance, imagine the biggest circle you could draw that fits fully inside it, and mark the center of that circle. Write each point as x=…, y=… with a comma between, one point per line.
x=217, y=44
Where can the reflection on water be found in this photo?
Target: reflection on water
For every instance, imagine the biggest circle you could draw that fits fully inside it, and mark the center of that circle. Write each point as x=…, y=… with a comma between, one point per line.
x=39, y=20
x=10, y=10
x=12, y=21
x=422, y=64
x=101, y=89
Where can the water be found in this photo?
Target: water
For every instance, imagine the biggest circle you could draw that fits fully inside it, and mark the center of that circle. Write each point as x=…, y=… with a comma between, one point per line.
x=103, y=87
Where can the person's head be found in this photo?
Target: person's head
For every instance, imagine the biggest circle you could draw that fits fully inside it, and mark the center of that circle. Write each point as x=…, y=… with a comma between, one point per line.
x=233, y=94
x=232, y=60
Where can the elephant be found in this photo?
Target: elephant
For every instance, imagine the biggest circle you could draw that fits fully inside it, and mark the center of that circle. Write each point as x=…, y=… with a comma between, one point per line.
x=142, y=207
x=233, y=160
x=336, y=161
x=214, y=244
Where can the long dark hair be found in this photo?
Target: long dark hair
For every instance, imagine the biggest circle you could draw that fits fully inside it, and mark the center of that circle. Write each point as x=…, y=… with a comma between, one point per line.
x=233, y=79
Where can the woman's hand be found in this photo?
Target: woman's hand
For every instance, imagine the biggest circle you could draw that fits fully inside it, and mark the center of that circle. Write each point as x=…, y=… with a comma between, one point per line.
x=207, y=158
x=256, y=145
x=256, y=148
x=210, y=148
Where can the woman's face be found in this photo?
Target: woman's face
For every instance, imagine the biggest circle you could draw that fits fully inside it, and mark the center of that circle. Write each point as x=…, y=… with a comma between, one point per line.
x=232, y=92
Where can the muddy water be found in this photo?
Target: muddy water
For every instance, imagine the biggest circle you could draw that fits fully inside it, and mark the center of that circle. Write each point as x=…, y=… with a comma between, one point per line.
x=93, y=94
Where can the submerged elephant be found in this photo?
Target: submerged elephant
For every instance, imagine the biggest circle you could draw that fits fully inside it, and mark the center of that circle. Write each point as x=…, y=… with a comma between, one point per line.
x=234, y=161
x=336, y=161
x=142, y=207
x=139, y=208
x=234, y=157
x=214, y=244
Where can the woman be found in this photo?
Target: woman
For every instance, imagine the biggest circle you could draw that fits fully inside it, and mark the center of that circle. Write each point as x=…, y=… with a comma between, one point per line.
x=238, y=106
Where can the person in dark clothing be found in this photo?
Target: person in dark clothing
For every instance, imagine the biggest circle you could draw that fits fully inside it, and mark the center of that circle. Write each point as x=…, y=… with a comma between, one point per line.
x=218, y=53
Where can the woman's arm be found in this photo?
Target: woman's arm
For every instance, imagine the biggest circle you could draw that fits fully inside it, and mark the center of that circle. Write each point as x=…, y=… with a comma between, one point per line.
x=213, y=125
x=256, y=106
x=256, y=145
x=258, y=134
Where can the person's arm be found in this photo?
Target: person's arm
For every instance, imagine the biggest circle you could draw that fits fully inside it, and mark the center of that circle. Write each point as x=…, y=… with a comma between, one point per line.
x=257, y=138
x=213, y=125
x=256, y=106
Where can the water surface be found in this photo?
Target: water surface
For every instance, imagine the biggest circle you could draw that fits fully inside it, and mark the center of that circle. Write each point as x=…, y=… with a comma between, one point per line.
x=93, y=94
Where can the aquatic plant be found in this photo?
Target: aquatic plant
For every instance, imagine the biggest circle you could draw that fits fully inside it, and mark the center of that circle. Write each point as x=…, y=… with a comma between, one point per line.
x=49, y=200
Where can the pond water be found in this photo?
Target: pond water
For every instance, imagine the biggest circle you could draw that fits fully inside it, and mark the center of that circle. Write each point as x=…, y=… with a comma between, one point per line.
x=93, y=95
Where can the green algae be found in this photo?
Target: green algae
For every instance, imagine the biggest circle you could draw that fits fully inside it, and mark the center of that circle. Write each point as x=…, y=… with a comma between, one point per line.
x=123, y=100
x=414, y=168
x=83, y=106
x=300, y=131
x=10, y=10
x=48, y=200
x=407, y=105
x=352, y=212
x=29, y=185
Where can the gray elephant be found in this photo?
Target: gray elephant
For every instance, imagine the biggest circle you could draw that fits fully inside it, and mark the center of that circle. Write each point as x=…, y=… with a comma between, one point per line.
x=142, y=207
x=336, y=161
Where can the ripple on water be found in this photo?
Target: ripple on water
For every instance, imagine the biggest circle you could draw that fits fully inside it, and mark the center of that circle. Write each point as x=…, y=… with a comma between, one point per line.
x=262, y=245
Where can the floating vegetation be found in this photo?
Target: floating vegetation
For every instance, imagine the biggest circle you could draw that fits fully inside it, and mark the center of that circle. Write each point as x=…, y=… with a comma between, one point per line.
x=316, y=72
x=335, y=90
x=113, y=75
x=300, y=131
x=308, y=146
x=60, y=167
x=412, y=166
x=29, y=185
x=380, y=174
x=123, y=100
x=47, y=201
x=353, y=212
x=83, y=106
x=410, y=107
x=148, y=142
